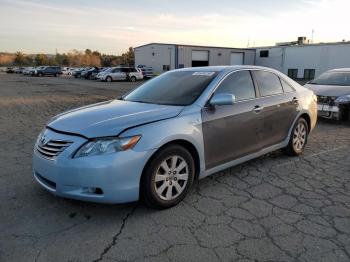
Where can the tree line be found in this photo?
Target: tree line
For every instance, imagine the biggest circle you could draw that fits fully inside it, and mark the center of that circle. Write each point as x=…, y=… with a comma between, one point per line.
x=73, y=58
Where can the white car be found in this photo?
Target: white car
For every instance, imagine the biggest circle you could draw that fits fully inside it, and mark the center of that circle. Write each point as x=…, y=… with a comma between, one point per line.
x=68, y=70
x=120, y=73
x=28, y=70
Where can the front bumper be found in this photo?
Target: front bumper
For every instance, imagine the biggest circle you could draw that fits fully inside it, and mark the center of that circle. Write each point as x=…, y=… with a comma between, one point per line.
x=112, y=178
x=336, y=111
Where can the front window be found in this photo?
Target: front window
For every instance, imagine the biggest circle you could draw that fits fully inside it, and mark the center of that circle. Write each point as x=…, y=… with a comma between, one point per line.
x=178, y=88
x=239, y=84
x=333, y=78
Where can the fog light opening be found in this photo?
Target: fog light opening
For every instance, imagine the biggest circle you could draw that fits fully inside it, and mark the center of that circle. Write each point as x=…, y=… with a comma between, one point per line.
x=93, y=190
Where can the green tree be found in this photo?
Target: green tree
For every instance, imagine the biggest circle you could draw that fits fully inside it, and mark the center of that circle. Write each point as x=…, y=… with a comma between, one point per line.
x=88, y=51
x=40, y=60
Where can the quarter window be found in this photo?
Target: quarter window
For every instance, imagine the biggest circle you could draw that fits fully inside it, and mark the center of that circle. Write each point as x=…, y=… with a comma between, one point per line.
x=286, y=87
x=239, y=84
x=269, y=83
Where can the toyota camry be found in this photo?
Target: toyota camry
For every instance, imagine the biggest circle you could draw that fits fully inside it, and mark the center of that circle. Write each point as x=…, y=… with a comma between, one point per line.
x=183, y=125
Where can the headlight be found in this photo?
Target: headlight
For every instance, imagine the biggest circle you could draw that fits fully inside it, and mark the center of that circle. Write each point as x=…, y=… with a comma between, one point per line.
x=343, y=99
x=106, y=146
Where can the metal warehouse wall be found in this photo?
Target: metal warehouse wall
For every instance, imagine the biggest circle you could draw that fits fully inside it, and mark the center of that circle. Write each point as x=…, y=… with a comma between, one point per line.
x=217, y=56
x=274, y=60
x=155, y=56
x=321, y=57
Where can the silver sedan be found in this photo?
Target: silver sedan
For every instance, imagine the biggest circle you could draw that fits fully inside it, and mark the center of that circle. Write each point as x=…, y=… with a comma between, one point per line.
x=181, y=126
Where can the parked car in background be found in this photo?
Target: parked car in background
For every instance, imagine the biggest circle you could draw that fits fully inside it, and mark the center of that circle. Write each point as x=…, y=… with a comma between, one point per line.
x=147, y=71
x=333, y=93
x=121, y=74
x=87, y=74
x=47, y=71
x=180, y=126
x=77, y=73
x=28, y=70
x=67, y=70
x=94, y=74
x=10, y=70
x=19, y=70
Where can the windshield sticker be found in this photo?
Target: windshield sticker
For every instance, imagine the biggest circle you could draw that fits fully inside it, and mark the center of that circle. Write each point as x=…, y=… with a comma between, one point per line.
x=203, y=73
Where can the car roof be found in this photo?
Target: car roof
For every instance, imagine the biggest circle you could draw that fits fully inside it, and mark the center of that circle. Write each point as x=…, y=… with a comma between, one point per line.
x=225, y=68
x=340, y=70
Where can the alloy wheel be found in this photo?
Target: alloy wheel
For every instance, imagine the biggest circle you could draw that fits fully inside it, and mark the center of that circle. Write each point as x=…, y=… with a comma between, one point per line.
x=299, y=137
x=171, y=178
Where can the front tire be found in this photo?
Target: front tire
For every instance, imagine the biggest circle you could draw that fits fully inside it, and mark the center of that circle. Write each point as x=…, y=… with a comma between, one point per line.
x=109, y=79
x=298, y=138
x=168, y=177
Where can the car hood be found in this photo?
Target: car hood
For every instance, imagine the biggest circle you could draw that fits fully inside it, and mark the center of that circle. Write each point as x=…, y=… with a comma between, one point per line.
x=110, y=118
x=328, y=90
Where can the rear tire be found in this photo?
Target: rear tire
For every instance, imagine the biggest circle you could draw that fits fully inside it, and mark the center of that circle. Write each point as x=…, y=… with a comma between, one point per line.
x=109, y=79
x=168, y=177
x=298, y=138
x=133, y=79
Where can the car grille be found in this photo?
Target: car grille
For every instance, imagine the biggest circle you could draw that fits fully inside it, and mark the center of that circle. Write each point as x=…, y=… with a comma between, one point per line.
x=52, y=148
x=329, y=100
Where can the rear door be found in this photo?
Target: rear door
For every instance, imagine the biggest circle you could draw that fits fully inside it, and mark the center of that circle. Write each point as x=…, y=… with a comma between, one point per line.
x=279, y=108
x=232, y=131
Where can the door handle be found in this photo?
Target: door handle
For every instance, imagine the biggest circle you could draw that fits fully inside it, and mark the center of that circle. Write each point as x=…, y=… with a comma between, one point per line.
x=257, y=109
x=295, y=100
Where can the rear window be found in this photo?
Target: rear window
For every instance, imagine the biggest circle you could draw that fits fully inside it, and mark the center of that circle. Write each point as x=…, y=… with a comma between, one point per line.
x=333, y=78
x=174, y=88
x=269, y=84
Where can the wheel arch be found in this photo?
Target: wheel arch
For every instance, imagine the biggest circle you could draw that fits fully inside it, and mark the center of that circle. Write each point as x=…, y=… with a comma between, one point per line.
x=307, y=119
x=184, y=143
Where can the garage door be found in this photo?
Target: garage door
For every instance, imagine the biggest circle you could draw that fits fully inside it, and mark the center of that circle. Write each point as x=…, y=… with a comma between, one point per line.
x=237, y=58
x=200, y=58
x=200, y=55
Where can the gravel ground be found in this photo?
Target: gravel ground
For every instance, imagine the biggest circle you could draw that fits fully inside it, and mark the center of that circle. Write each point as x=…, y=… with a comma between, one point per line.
x=274, y=208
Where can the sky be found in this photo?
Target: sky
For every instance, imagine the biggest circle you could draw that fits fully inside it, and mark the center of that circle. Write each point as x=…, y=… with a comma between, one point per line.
x=111, y=26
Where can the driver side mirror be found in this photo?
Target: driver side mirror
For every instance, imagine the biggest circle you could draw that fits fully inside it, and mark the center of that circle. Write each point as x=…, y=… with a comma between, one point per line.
x=222, y=99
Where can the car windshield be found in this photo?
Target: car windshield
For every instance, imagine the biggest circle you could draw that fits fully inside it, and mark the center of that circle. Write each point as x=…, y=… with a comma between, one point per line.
x=178, y=88
x=333, y=78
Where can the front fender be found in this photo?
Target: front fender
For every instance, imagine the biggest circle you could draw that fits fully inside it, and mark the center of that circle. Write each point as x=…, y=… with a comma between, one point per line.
x=187, y=126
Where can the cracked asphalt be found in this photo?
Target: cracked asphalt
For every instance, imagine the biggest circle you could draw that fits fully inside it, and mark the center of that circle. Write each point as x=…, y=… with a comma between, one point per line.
x=274, y=208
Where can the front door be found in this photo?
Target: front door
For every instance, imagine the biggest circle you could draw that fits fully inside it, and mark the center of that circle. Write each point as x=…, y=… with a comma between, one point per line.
x=232, y=131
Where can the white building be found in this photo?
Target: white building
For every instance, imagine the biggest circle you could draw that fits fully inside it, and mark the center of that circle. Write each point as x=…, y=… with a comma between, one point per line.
x=165, y=57
x=304, y=61
x=297, y=59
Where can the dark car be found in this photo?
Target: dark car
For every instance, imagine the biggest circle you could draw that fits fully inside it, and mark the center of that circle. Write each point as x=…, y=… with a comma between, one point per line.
x=47, y=71
x=77, y=73
x=90, y=74
x=333, y=93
